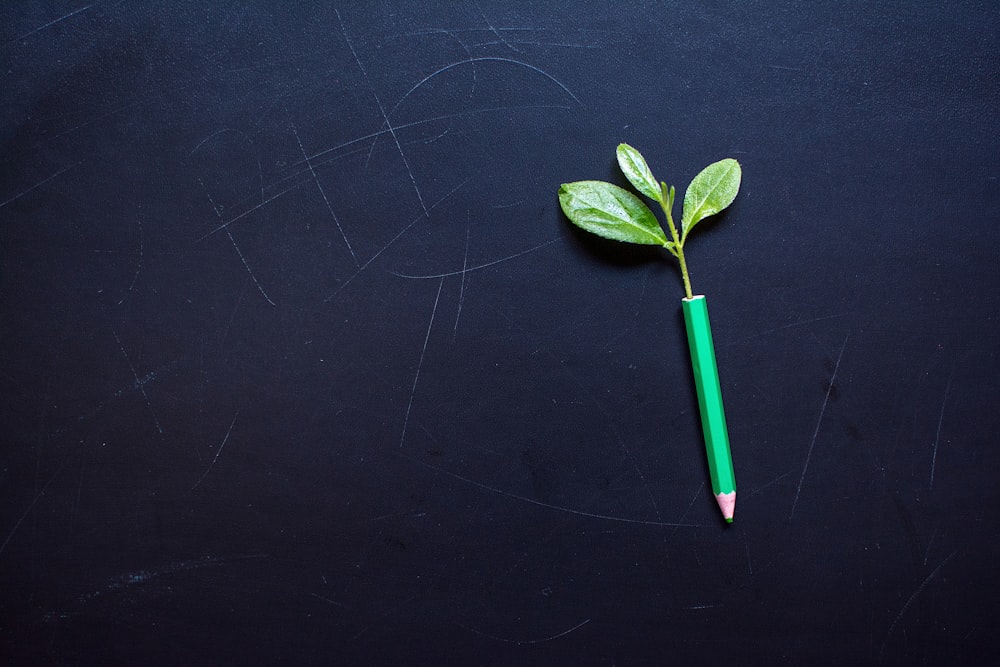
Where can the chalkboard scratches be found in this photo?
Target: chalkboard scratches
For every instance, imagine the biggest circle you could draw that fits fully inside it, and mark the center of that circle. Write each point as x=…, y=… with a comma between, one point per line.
x=783, y=327
x=523, y=642
x=49, y=24
x=138, y=267
x=244, y=214
x=495, y=31
x=694, y=499
x=329, y=601
x=394, y=239
x=819, y=422
x=381, y=108
x=909, y=602
x=503, y=40
x=937, y=436
x=466, y=269
x=501, y=492
x=481, y=59
x=243, y=259
x=27, y=511
x=461, y=291
x=39, y=184
x=326, y=199
x=771, y=483
x=140, y=384
x=217, y=452
x=416, y=376
x=139, y=577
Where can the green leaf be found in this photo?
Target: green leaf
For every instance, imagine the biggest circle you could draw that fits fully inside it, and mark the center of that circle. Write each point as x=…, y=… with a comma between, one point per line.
x=711, y=191
x=610, y=211
x=668, y=196
x=634, y=166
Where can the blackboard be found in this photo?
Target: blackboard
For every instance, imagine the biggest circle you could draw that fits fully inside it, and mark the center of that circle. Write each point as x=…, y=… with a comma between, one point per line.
x=303, y=364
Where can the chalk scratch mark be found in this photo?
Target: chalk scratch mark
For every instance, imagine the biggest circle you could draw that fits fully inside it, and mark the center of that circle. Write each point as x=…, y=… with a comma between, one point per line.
x=494, y=30
x=563, y=45
x=388, y=125
x=31, y=506
x=49, y=24
x=524, y=642
x=479, y=59
x=244, y=214
x=239, y=252
x=913, y=596
x=509, y=43
x=783, y=327
x=465, y=47
x=819, y=423
x=507, y=494
x=687, y=510
x=139, y=577
x=416, y=376
x=140, y=385
x=519, y=201
x=771, y=483
x=424, y=121
x=217, y=452
x=472, y=93
x=40, y=183
x=930, y=542
x=138, y=266
x=328, y=600
x=326, y=199
x=213, y=135
x=468, y=269
x=627, y=454
x=461, y=291
x=393, y=240
x=937, y=436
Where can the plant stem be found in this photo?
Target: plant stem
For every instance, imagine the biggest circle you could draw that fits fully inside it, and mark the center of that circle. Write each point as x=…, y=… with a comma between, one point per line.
x=667, y=203
x=684, y=273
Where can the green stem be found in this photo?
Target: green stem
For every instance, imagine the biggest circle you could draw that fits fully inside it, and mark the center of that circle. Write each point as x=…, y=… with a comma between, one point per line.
x=667, y=203
x=684, y=273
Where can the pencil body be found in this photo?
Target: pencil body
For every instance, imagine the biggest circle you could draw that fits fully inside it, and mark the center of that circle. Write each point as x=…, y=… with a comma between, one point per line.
x=713, y=416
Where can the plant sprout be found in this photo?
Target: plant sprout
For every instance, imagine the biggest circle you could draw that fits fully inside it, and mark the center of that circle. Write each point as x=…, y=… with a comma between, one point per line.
x=615, y=213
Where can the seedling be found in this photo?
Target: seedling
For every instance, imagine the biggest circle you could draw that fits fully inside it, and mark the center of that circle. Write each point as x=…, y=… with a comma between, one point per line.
x=615, y=213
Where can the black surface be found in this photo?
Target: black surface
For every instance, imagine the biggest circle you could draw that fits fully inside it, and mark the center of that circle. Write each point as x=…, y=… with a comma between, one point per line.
x=302, y=363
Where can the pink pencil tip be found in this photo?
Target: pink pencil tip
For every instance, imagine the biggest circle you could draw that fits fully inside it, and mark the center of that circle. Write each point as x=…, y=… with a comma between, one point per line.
x=727, y=503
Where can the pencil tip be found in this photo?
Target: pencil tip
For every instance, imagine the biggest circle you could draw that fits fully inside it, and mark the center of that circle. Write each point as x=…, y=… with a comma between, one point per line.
x=727, y=503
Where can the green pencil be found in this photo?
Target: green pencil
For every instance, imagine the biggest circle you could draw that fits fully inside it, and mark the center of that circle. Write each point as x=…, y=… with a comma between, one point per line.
x=713, y=416
x=615, y=213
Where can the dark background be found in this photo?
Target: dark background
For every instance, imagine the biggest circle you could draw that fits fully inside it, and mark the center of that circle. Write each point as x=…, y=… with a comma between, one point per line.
x=302, y=363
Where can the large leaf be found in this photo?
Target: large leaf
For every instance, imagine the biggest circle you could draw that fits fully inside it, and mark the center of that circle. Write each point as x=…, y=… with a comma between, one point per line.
x=711, y=191
x=610, y=211
x=634, y=166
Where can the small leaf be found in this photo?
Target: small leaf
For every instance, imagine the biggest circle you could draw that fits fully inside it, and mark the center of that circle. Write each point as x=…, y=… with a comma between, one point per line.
x=711, y=191
x=668, y=196
x=634, y=166
x=610, y=211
